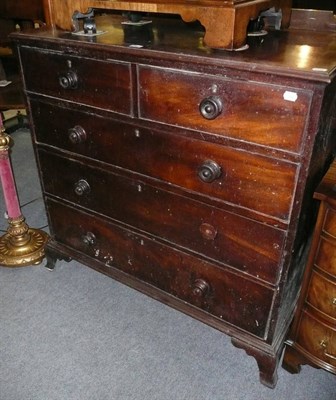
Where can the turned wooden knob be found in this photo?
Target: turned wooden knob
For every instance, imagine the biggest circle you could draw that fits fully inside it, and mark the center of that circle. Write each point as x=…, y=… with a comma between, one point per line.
x=200, y=288
x=89, y=239
x=211, y=107
x=82, y=187
x=209, y=171
x=68, y=80
x=77, y=134
x=208, y=231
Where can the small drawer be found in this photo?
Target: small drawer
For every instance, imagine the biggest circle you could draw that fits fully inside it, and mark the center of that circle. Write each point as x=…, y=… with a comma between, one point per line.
x=212, y=232
x=326, y=256
x=322, y=294
x=246, y=111
x=238, y=177
x=220, y=293
x=329, y=225
x=102, y=84
x=318, y=339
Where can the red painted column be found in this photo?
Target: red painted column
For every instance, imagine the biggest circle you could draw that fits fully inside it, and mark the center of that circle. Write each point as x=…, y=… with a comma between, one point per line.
x=7, y=181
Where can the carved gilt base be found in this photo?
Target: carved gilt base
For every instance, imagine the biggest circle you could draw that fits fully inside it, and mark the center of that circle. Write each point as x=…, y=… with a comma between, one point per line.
x=22, y=246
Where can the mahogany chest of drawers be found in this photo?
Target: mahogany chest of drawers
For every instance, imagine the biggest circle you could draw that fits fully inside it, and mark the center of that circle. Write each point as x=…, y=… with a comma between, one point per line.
x=184, y=172
x=312, y=338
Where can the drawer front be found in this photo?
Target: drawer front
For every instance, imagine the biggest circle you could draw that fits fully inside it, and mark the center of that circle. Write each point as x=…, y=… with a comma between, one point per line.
x=102, y=84
x=322, y=294
x=252, y=112
x=248, y=180
x=329, y=225
x=326, y=256
x=225, y=295
x=318, y=339
x=212, y=232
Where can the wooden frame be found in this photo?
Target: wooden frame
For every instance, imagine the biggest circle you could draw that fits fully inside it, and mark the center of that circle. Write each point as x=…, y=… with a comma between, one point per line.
x=225, y=21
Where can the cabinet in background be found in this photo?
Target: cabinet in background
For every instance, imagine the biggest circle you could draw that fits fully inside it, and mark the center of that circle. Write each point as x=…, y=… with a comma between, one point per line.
x=312, y=339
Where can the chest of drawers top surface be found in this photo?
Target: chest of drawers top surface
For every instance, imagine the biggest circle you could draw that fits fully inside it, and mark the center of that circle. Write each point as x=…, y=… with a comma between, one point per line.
x=287, y=53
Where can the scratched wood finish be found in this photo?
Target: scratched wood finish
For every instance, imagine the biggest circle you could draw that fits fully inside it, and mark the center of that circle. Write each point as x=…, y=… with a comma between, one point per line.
x=163, y=214
x=225, y=22
x=90, y=88
x=246, y=232
x=266, y=111
x=246, y=179
x=227, y=297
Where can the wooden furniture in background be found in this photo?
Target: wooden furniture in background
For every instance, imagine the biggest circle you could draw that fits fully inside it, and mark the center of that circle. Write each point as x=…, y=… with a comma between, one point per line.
x=14, y=16
x=225, y=21
x=18, y=15
x=315, y=5
x=317, y=20
x=312, y=339
x=185, y=172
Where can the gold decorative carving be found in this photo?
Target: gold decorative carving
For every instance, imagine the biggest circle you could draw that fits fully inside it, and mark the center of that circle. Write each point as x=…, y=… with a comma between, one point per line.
x=21, y=245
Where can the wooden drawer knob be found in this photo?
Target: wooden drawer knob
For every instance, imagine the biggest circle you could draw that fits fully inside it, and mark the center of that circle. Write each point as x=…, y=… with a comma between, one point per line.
x=89, y=239
x=200, y=288
x=211, y=107
x=209, y=171
x=77, y=135
x=82, y=187
x=68, y=80
x=209, y=232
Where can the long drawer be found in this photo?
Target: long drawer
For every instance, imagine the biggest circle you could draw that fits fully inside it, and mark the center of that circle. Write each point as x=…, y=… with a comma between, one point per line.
x=269, y=115
x=329, y=225
x=322, y=294
x=72, y=78
x=318, y=339
x=326, y=255
x=241, y=178
x=247, y=245
x=221, y=293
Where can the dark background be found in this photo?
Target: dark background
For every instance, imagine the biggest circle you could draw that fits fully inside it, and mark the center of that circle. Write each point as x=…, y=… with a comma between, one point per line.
x=315, y=4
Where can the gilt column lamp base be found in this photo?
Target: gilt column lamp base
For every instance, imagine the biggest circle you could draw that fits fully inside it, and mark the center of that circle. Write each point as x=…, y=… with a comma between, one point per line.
x=21, y=245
